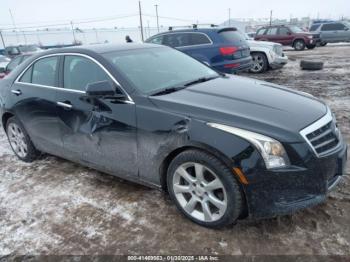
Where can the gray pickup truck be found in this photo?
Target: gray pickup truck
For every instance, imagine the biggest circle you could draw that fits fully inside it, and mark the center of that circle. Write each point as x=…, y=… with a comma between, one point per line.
x=332, y=32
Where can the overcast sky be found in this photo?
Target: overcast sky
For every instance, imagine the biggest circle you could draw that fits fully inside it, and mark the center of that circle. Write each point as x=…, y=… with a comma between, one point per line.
x=216, y=11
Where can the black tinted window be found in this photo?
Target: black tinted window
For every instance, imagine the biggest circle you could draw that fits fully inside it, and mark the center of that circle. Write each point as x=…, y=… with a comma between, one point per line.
x=261, y=31
x=332, y=27
x=314, y=28
x=27, y=77
x=176, y=39
x=283, y=31
x=156, y=40
x=199, y=39
x=44, y=71
x=80, y=71
x=14, y=63
x=233, y=37
x=272, y=31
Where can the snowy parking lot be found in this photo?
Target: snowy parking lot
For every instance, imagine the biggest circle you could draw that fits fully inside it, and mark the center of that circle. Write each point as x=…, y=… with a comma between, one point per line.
x=53, y=206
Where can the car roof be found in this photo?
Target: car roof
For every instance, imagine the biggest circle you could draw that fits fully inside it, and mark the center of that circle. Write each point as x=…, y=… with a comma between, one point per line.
x=199, y=30
x=99, y=48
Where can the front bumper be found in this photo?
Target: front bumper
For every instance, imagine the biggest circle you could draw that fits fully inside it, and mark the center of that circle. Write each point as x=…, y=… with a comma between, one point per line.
x=279, y=62
x=278, y=192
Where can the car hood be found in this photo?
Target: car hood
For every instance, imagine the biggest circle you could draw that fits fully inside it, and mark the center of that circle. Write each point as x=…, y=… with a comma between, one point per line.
x=246, y=103
x=253, y=43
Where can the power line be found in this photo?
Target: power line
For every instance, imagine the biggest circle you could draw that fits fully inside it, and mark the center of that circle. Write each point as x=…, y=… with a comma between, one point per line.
x=75, y=22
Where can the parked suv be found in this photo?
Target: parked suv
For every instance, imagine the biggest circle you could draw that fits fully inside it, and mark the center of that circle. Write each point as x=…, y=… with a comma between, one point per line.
x=332, y=32
x=225, y=49
x=288, y=35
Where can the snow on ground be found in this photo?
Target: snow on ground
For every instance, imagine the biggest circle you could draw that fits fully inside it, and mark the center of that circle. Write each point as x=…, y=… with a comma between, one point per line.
x=53, y=206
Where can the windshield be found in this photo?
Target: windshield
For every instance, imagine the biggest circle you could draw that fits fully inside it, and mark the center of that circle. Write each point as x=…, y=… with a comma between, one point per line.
x=296, y=29
x=156, y=69
x=4, y=59
x=28, y=48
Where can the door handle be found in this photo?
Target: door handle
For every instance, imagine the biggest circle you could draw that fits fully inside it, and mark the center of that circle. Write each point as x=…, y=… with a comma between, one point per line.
x=16, y=92
x=66, y=105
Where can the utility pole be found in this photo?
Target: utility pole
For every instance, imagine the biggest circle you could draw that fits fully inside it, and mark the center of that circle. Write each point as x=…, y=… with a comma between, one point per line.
x=157, y=17
x=2, y=39
x=141, y=26
x=270, y=17
x=14, y=25
x=75, y=40
x=229, y=17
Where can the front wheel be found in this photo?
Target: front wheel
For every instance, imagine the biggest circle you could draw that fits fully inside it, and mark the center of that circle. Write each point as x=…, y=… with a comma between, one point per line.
x=260, y=63
x=204, y=189
x=299, y=45
x=19, y=141
x=323, y=44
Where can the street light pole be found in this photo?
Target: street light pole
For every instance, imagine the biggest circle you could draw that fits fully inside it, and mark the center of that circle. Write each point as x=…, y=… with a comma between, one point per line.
x=75, y=40
x=270, y=17
x=229, y=17
x=157, y=17
x=2, y=39
x=141, y=26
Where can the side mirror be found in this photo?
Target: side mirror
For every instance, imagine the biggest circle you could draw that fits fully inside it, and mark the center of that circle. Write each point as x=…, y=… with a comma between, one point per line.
x=102, y=88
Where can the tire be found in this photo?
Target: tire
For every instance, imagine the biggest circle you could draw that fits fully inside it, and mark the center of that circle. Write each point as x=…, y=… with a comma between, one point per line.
x=299, y=45
x=260, y=63
x=323, y=43
x=191, y=193
x=311, y=65
x=19, y=141
x=311, y=46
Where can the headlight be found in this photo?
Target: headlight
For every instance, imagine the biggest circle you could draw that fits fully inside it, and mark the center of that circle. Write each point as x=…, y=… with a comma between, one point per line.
x=270, y=149
x=310, y=36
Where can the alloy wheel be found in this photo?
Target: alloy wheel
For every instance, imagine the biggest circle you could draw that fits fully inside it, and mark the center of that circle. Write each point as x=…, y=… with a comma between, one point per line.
x=200, y=192
x=258, y=63
x=17, y=140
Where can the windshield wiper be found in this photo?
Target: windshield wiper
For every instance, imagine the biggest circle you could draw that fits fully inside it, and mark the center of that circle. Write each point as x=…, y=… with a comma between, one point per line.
x=177, y=88
x=168, y=90
x=200, y=80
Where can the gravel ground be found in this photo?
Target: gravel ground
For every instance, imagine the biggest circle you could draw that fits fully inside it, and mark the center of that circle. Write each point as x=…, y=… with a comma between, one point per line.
x=54, y=206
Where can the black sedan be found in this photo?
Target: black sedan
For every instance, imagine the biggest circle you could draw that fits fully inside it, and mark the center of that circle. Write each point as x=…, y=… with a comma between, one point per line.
x=224, y=147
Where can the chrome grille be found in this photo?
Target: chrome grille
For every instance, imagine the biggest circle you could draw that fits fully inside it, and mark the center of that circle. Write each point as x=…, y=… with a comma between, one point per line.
x=322, y=136
x=323, y=139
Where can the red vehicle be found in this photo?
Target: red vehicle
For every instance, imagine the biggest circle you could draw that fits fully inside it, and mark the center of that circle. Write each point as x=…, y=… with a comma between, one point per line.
x=288, y=35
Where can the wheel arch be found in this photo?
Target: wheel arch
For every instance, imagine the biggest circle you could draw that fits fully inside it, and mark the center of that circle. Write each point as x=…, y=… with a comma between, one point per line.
x=209, y=150
x=5, y=117
x=297, y=39
x=193, y=146
x=264, y=53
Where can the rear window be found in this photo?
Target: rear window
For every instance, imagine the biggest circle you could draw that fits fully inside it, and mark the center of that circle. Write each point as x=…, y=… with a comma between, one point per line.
x=233, y=37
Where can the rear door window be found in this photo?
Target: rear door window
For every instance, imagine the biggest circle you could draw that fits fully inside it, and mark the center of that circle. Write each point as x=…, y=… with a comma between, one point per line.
x=272, y=31
x=177, y=39
x=45, y=71
x=333, y=27
x=283, y=31
x=199, y=39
